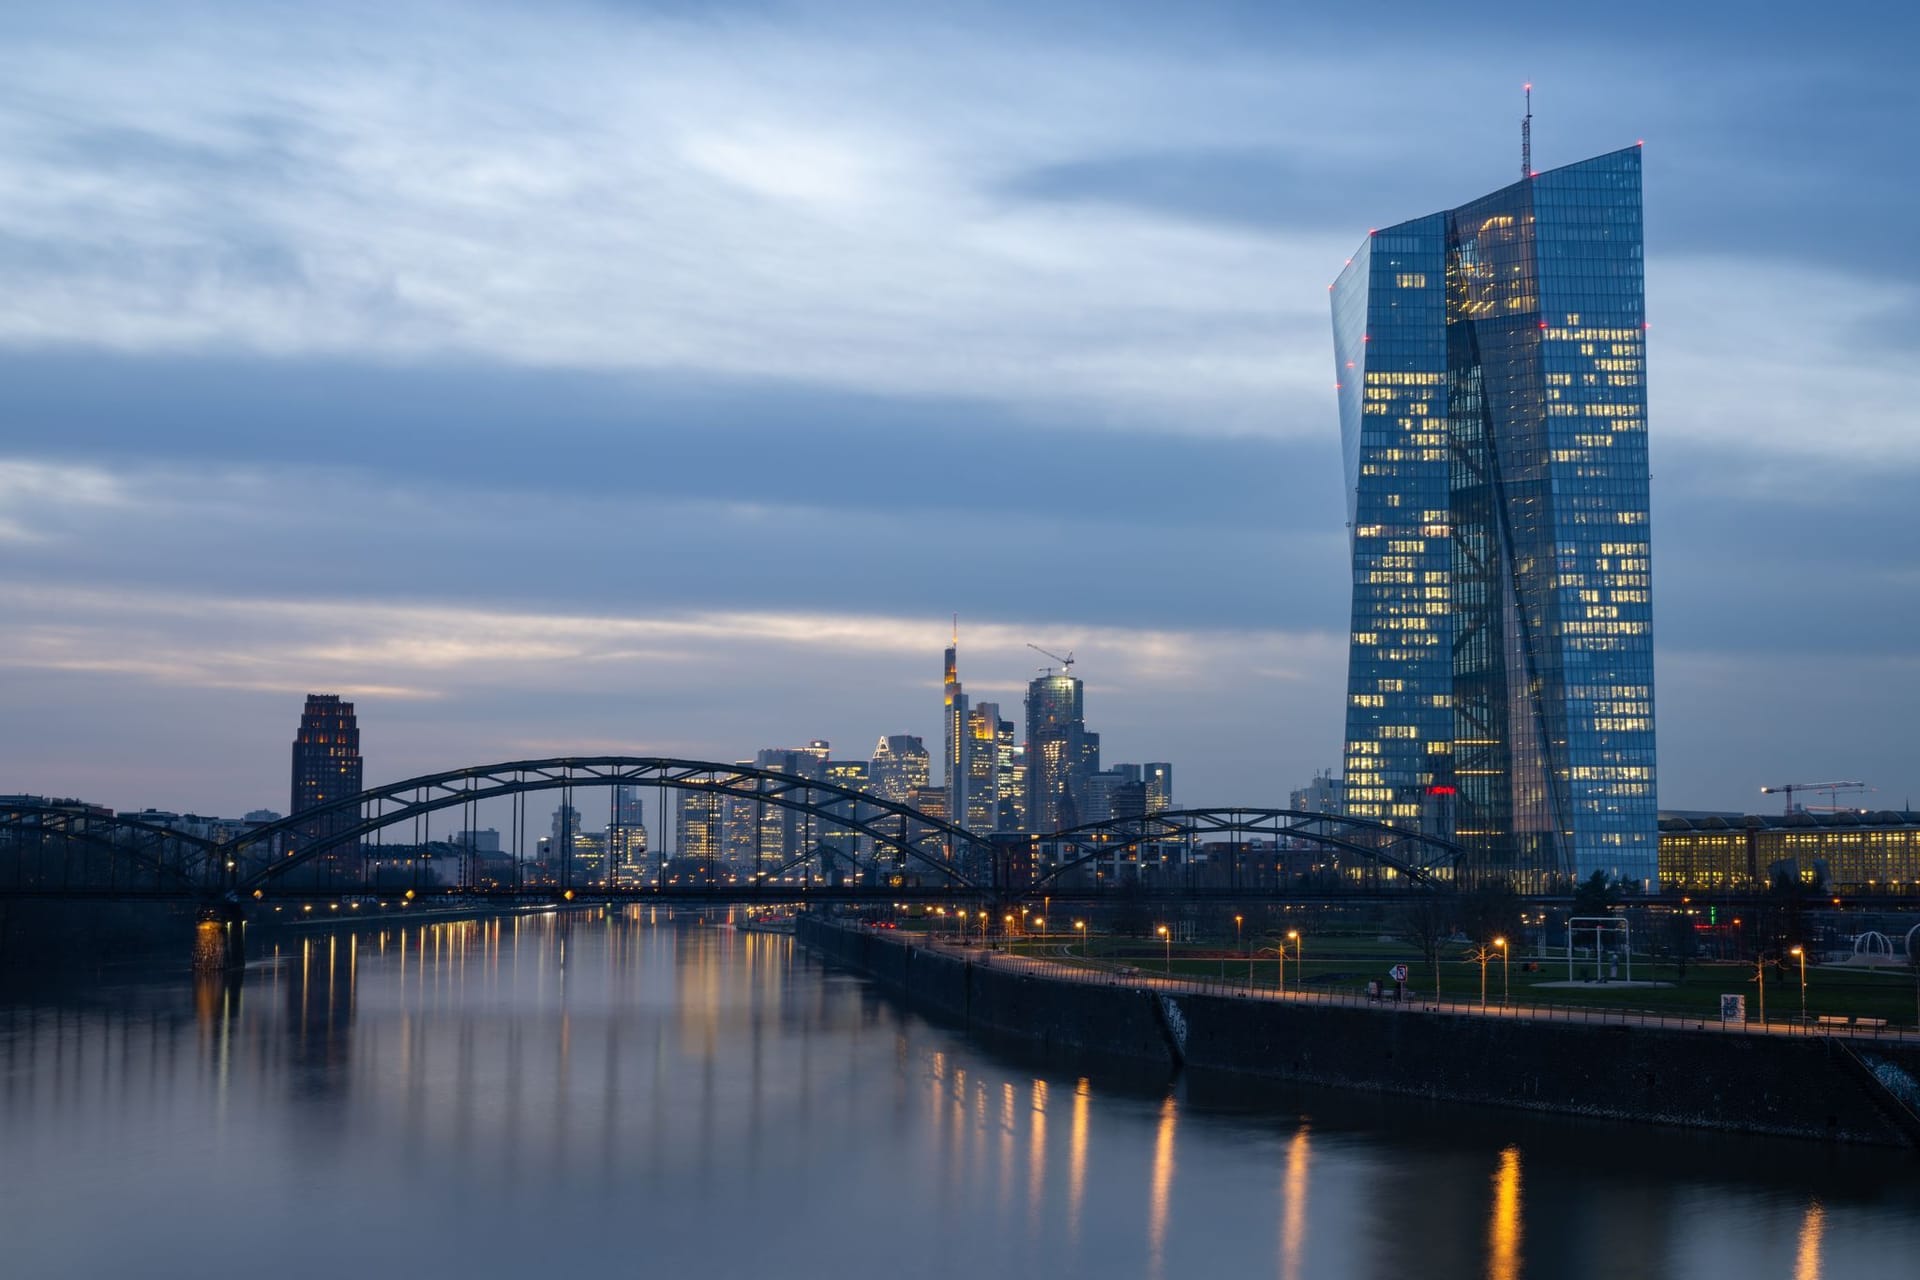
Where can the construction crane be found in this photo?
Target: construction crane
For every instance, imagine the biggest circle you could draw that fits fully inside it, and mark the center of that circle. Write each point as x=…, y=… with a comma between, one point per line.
x=1066, y=663
x=1833, y=789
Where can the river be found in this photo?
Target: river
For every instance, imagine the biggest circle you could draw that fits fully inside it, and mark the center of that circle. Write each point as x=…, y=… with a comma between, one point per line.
x=561, y=1094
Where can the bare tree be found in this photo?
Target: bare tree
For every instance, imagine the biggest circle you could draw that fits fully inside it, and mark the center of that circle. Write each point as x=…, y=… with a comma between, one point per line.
x=1425, y=923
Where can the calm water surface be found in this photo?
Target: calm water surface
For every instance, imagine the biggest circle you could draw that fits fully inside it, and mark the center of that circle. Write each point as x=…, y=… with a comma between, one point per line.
x=547, y=1094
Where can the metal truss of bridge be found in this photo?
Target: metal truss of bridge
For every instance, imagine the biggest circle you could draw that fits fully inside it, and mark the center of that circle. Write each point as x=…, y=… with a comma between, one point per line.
x=856, y=846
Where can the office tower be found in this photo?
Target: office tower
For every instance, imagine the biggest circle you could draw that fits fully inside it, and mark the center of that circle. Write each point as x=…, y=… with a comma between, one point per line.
x=1490, y=362
x=982, y=798
x=1061, y=754
x=1157, y=776
x=326, y=767
x=841, y=844
x=930, y=800
x=562, y=827
x=955, y=772
x=1098, y=792
x=899, y=764
x=697, y=826
x=763, y=836
x=1325, y=794
x=627, y=837
x=1010, y=763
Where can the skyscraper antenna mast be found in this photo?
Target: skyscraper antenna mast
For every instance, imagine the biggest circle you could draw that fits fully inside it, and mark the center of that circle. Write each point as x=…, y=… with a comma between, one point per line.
x=1526, y=136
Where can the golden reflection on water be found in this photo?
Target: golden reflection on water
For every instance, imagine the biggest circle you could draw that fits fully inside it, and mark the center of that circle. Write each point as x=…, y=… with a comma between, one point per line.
x=1006, y=1145
x=1293, y=1212
x=1806, y=1264
x=1504, y=1229
x=1037, y=1156
x=1077, y=1159
x=1159, y=1200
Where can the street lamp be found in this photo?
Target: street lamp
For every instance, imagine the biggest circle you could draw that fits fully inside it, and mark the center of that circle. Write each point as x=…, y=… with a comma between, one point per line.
x=1167, y=938
x=1299, y=978
x=1801, y=953
x=1236, y=934
x=1506, y=970
x=1081, y=925
x=1279, y=953
x=1007, y=941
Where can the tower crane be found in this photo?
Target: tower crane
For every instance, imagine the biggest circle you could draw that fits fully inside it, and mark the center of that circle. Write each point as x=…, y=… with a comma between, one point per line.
x=1066, y=663
x=1832, y=788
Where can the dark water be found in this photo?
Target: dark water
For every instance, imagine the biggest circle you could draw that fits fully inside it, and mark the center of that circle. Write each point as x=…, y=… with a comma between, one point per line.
x=549, y=1096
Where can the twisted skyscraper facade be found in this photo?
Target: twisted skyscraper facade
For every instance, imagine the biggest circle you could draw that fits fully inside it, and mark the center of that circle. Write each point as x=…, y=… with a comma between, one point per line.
x=1493, y=412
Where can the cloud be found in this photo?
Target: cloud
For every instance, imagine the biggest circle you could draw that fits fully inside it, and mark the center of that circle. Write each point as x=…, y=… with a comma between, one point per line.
x=288, y=644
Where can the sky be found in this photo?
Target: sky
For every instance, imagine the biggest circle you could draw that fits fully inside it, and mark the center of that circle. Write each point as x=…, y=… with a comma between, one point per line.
x=578, y=377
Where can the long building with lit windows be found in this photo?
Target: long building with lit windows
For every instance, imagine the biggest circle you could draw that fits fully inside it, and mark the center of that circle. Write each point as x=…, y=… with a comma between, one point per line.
x=1490, y=364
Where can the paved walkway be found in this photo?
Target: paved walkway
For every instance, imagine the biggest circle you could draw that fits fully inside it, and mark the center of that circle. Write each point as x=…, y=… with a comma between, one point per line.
x=1106, y=973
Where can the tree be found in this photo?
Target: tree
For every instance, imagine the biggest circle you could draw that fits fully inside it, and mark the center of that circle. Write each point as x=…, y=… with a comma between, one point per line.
x=1425, y=924
x=1597, y=895
x=1493, y=910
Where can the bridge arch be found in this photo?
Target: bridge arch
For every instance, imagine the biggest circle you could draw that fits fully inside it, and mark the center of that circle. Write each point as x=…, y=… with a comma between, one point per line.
x=916, y=837
x=1420, y=857
x=40, y=841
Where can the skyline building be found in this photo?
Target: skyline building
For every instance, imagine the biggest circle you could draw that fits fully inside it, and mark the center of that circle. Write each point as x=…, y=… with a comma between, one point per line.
x=985, y=774
x=1490, y=367
x=627, y=837
x=900, y=763
x=326, y=767
x=1061, y=754
x=1157, y=776
x=954, y=732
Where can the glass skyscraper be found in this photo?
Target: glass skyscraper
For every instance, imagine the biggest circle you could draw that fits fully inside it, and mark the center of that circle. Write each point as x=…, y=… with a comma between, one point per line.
x=1491, y=369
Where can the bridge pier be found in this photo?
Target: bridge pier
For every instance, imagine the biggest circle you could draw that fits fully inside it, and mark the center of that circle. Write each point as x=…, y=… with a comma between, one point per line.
x=220, y=939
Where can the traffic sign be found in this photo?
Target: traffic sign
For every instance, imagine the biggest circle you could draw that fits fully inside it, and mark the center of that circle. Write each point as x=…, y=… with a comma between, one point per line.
x=1398, y=973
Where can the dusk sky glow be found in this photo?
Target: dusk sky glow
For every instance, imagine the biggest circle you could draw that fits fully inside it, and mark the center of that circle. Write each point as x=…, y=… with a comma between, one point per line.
x=608, y=377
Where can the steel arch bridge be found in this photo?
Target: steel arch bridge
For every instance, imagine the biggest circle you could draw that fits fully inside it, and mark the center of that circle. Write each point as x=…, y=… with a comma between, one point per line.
x=1420, y=858
x=55, y=850
x=69, y=851
x=914, y=838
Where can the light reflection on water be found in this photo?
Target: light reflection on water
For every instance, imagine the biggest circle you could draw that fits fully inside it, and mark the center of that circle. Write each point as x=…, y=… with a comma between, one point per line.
x=530, y=1094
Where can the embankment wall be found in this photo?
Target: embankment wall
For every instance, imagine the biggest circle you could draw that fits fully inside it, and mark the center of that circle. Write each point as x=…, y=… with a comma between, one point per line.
x=1795, y=1086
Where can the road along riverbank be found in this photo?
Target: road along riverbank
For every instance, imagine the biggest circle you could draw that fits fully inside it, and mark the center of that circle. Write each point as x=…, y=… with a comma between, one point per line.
x=1807, y=1085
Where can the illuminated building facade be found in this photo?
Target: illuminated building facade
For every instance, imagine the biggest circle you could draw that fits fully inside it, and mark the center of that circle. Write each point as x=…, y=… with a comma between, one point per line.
x=1158, y=777
x=985, y=774
x=326, y=767
x=1850, y=853
x=1490, y=364
x=1061, y=754
x=627, y=837
x=899, y=765
x=957, y=776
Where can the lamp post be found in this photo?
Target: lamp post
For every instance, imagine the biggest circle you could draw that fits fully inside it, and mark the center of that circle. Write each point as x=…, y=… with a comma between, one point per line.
x=1801, y=953
x=1299, y=975
x=1006, y=943
x=1506, y=971
x=1167, y=938
x=1081, y=925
